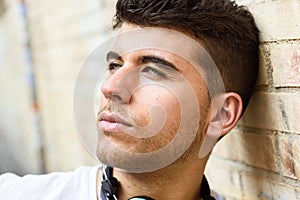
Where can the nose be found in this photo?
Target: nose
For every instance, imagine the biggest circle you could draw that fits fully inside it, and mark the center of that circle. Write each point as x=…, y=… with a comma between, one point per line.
x=120, y=85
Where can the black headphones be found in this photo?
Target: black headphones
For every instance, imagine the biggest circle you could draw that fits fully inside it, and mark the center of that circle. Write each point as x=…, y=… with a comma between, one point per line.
x=110, y=185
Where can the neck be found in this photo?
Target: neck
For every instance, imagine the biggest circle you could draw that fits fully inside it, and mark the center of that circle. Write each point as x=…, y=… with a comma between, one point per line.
x=181, y=180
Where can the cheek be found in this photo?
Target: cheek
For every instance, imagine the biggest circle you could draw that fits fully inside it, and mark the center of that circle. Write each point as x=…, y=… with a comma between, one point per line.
x=155, y=105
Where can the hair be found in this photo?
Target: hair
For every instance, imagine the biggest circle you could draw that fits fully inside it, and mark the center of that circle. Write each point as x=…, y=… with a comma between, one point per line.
x=228, y=32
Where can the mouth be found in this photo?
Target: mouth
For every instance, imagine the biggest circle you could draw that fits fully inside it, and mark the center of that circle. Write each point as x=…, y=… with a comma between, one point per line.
x=112, y=122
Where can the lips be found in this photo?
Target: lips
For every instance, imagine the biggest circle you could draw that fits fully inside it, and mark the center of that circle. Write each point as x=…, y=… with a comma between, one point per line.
x=111, y=122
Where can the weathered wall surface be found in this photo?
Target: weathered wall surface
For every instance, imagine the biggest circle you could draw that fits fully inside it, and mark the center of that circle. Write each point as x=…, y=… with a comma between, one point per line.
x=19, y=136
x=260, y=158
x=62, y=35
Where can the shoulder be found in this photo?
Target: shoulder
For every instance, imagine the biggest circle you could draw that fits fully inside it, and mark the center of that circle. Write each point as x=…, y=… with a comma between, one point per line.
x=56, y=185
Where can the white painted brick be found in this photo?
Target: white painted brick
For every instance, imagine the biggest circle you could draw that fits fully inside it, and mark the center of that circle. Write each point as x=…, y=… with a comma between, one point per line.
x=223, y=179
x=256, y=187
x=285, y=59
x=296, y=155
x=263, y=187
x=288, y=146
x=277, y=20
x=273, y=111
x=262, y=78
x=253, y=149
x=283, y=191
x=286, y=156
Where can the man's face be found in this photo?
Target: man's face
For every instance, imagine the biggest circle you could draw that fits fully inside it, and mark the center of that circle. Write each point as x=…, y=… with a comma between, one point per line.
x=150, y=97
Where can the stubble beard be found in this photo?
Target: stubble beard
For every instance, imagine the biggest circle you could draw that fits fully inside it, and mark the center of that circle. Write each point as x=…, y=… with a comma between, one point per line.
x=110, y=155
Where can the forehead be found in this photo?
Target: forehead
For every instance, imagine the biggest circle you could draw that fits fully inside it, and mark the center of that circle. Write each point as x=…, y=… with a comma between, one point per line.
x=135, y=39
x=132, y=38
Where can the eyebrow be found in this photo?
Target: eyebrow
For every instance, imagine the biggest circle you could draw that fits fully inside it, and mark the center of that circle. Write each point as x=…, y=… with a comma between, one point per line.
x=113, y=55
x=144, y=59
x=158, y=60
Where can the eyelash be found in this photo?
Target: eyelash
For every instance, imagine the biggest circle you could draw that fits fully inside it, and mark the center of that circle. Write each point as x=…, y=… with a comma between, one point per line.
x=113, y=66
x=154, y=72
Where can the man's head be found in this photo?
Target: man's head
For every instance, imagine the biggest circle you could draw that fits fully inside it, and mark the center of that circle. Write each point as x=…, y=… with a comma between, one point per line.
x=227, y=31
x=156, y=105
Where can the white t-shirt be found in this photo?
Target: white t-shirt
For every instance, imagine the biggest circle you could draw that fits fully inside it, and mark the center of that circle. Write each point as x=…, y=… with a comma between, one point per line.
x=77, y=185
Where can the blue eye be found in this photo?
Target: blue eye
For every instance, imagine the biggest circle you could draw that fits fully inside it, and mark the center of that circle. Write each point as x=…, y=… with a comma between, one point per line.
x=153, y=73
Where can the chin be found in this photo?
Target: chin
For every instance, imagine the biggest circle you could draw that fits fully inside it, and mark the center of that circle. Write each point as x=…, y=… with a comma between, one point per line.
x=132, y=159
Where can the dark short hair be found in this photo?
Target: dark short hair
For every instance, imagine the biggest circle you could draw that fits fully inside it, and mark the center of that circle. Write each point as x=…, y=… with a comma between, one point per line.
x=227, y=31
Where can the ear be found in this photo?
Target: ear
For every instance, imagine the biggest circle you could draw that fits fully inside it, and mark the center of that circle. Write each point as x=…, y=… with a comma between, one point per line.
x=226, y=110
x=231, y=111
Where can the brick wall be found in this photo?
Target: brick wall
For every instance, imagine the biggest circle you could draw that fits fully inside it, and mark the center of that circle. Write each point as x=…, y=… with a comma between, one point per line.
x=19, y=137
x=260, y=158
x=62, y=34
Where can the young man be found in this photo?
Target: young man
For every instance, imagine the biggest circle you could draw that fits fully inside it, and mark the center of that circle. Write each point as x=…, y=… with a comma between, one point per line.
x=180, y=76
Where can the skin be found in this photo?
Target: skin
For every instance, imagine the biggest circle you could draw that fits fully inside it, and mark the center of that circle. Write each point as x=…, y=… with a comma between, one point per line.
x=122, y=94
